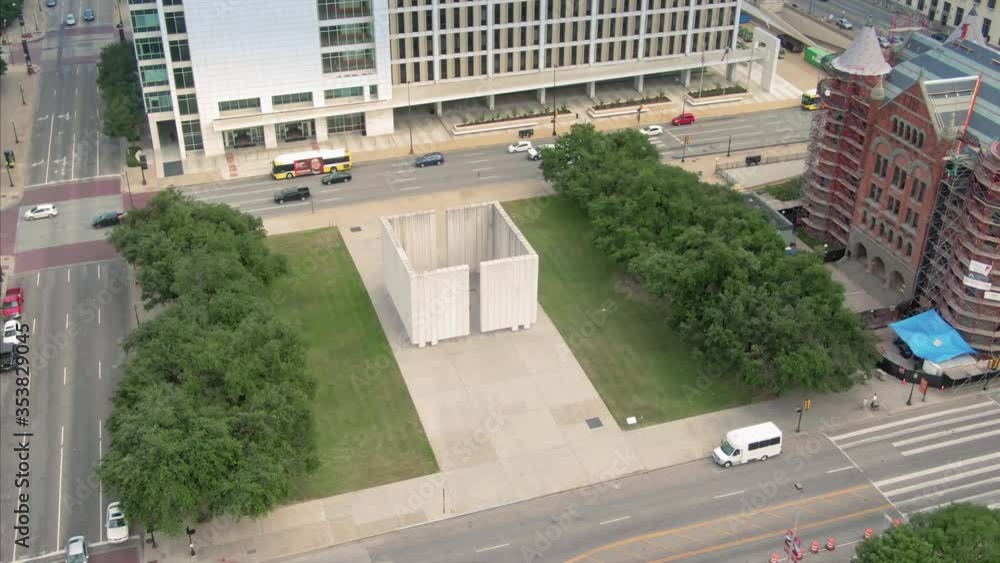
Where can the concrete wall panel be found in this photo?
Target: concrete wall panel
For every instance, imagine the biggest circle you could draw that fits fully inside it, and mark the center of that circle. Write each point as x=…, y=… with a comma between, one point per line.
x=441, y=305
x=397, y=275
x=508, y=293
x=468, y=232
x=417, y=234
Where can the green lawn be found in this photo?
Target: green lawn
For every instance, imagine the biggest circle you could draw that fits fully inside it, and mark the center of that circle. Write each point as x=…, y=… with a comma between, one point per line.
x=638, y=364
x=787, y=190
x=368, y=432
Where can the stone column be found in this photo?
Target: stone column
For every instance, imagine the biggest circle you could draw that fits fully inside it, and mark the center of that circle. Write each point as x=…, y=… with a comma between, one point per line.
x=592, y=90
x=639, y=83
x=541, y=96
x=686, y=77
x=270, y=137
x=438, y=108
x=491, y=101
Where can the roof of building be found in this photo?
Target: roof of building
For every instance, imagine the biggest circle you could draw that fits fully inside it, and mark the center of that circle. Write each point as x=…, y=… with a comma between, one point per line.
x=949, y=73
x=971, y=29
x=863, y=56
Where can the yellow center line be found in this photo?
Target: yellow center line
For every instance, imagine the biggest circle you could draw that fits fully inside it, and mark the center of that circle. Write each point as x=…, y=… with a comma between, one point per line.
x=772, y=534
x=747, y=517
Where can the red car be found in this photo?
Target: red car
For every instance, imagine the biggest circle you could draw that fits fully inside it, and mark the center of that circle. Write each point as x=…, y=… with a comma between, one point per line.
x=12, y=302
x=683, y=119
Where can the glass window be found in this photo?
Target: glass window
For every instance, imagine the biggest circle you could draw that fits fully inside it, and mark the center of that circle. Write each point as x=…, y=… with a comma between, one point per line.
x=153, y=75
x=335, y=9
x=179, y=51
x=157, y=101
x=353, y=92
x=148, y=48
x=246, y=103
x=241, y=138
x=344, y=123
x=145, y=20
x=373, y=91
x=184, y=77
x=187, y=104
x=349, y=61
x=346, y=34
x=175, y=22
x=297, y=98
x=172, y=2
x=192, y=135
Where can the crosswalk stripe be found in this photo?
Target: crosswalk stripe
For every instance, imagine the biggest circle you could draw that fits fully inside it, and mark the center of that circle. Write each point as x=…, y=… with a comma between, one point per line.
x=966, y=499
x=948, y=432
x=955, y=477
x=916, y=429
x=954, y=442
x=939, y=469
x=911, y=420
x=943, y=492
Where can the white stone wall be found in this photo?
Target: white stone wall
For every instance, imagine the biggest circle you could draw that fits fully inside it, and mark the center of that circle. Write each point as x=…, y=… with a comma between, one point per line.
x=379, y=122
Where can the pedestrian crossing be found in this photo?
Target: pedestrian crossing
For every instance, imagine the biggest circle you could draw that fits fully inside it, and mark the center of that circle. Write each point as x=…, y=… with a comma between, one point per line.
x=932, y=459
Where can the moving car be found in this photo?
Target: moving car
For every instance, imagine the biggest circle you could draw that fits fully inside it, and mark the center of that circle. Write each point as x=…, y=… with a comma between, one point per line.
x=10, y=332
x=70, y=19
x=520, y=146
x=76, y=550
x=108, y=219
x=683, y=119
x=760, y=441
x=651, y=130
x=13, y=301
x=88, y=14
x=429, y=159
x=50, y=3
x=117, y=526
x=535, y=153
x=8, y=356
x=336, y=177
x=292, y=194
x=41, y=211
x=844, y=23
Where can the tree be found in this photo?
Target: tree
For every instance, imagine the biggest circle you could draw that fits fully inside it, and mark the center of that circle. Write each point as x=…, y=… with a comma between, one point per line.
x=117, y=79
x=121, y=116
x=959, y=532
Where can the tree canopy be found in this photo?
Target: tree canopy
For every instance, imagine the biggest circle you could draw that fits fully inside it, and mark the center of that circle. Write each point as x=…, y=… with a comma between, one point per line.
x=212, y=414
x=777, y=321
x=959, y=532
x=117, y=78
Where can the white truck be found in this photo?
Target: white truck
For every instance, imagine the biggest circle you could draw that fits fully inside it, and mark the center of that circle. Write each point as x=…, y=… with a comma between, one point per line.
x=760, y=441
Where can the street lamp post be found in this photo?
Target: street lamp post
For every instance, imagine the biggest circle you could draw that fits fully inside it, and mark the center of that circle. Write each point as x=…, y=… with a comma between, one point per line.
x=152, y=538
x=798, y=426
x=555, y=108
x=16, y=139
x=9, y=177
x=409, y=115
x=21, y=88
x=128, y=186
x=729, y=149
x=913, y=384
x=190, y=532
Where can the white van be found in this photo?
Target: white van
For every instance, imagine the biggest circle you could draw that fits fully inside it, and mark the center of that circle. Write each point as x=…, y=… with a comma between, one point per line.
x=760, y=441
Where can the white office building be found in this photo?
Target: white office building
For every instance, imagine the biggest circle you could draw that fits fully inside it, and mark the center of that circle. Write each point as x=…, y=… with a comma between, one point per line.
x=220, y=76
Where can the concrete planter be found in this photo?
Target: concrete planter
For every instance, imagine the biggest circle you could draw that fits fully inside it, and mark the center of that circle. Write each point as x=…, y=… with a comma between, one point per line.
x=716, y=99
x=526, y=123
x=595, y=113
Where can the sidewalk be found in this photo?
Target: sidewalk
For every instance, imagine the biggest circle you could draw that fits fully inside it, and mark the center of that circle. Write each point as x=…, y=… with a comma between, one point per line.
x=453, y=491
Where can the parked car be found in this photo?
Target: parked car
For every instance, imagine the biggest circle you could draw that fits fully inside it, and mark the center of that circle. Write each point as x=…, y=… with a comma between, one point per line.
x=10, y=332
x=904, y=348
x=429, y=159
x=292, y=194
x=117, y=526
x=76, y=550
x=651, y=130
x=336, y=177
x=535, y=153
x=70, y=19
x=50, y=3
x=13, y=302
x=88, y=14
x=8, y=356
x=883, y=42
x=683, y=119
x=108, y=219
x=938, y=36
x=41, y=211
x=520, y=146
x=844, y=23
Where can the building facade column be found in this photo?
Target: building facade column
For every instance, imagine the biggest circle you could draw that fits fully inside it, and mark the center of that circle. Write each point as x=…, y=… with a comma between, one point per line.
x=438, y=108
x=270, y=137
x=592, y=90
x=491, y=101
x=639, y=83
x=730, y=72
x=541, y=96
x=379, y=122
x=320, y=130
x=686, y=77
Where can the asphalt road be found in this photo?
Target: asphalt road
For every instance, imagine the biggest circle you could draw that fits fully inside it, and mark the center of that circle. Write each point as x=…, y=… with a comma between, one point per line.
x=828, y=484
x=77, y=316
x=492, y=164
x=66, y=139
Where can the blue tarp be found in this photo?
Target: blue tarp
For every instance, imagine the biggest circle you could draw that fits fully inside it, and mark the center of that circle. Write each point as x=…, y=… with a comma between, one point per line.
x=931, y=338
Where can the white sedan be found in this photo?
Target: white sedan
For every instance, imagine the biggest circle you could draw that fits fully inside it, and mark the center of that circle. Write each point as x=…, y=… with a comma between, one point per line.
x=117, y=526
x=651, y=130
x=10, y=332
x=41, y=211
x=520, y=146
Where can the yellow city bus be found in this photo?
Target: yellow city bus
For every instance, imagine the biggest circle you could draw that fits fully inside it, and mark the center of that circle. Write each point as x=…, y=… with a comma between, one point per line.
x=810, y=100
x=288, y=166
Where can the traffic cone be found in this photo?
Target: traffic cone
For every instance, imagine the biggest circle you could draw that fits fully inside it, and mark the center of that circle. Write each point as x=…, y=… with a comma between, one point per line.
x=831, y=544
x=814, y=547
x=868, y=533
x=774, y=558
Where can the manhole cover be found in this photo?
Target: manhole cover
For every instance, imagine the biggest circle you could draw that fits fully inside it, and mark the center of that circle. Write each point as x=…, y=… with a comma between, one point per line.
x=355, y=229
x=594, y=423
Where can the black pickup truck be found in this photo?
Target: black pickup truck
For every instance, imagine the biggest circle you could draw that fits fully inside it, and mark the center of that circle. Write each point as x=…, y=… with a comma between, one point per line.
x=791, y=43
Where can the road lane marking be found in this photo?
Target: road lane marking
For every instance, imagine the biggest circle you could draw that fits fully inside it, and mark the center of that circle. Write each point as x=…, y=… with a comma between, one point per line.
x=272, y=207
x=966, y=499
x=730, y=494
x=98, y=271
x=48, y=157
x=98, y=315
x=919, y=428
x=410, y=188
x=68, y=275
x=67, y=321
x=939, y=469
x=33, y=320
x=942, y=480
x=404, y=179
x=954, y=442
x=401, y=164
x=614, y=520
x=98, y=369
x=478, y=161
x=942, y=492
x=38, y=279
x=486, y=168
x=474, y=154
x=949, y=432
x=338, y=198
x=72, y=159
x=100, y=486
x=492, y=547
x=64, y=375
x=236, y=194
x=488, y=177
x=842, y=469
x=62, y=435
x=910, y=420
